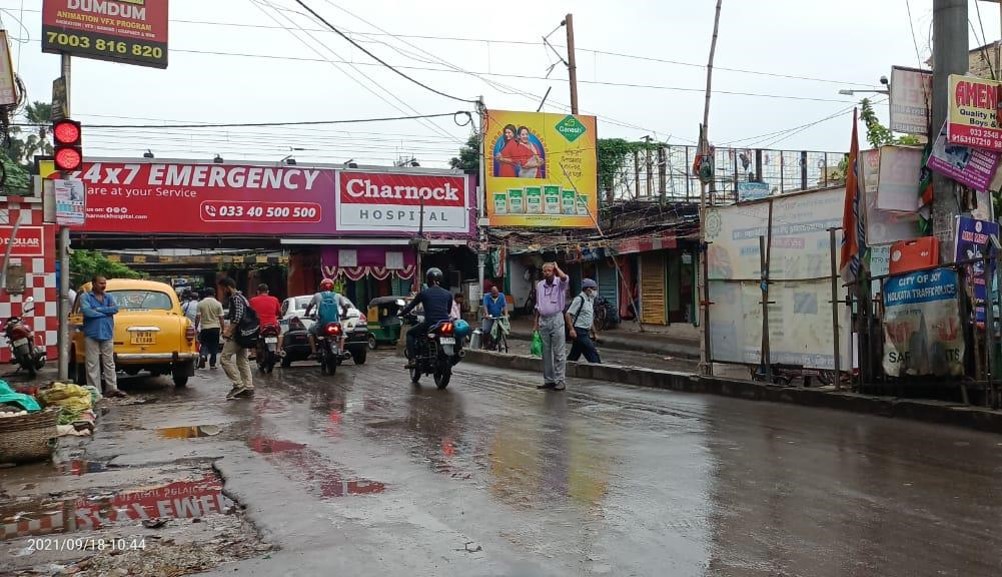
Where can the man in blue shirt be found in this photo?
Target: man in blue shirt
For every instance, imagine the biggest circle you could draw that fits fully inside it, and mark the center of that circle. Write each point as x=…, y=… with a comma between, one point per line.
x=99, y=310
x=437, y=303
x=494, y=307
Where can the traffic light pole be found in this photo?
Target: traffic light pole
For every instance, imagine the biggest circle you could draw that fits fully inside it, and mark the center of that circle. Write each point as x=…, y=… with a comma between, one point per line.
x=64, y=263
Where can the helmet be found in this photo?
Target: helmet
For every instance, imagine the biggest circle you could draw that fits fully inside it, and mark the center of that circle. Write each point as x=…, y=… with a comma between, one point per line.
x=326, y=285
x=588, y=284
x=434, y=274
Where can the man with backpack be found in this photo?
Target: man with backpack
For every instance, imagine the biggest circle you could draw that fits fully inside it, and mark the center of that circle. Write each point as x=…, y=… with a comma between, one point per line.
x=240, y=334
x=329, y=306
x=581, y=317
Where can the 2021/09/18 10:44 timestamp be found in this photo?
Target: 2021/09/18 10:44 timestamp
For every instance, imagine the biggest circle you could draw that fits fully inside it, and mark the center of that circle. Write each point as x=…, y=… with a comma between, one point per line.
x=85, y=544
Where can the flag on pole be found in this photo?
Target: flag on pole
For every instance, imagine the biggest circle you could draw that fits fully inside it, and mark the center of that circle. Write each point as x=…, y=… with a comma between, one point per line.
x=853, y=219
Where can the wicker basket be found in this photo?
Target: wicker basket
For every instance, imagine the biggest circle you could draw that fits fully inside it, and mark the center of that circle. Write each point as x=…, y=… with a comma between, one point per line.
x=26, y=438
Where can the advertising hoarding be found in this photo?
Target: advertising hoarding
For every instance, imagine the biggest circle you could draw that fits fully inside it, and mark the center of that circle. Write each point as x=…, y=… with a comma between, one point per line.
x=911, y=95
x=389, y=201
x=193, y=198
x=922, y=332
x=128, y=31
x=541, y=169
x=71, y=198
x=972, y=241
x=972, y=167
x=973, y=113
x=30, y=241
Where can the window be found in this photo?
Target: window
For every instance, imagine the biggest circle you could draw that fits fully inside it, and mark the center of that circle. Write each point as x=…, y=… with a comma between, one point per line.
x=142, y=300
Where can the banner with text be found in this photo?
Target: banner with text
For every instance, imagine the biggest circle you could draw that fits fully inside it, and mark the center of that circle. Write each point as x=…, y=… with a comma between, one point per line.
x=922, y=329
x=541, y=169
x=911, y=95
x=973, y=115
x=127, y=31
x=972, y=167
x=381, y=202
x=207, y=199
x=973, y=240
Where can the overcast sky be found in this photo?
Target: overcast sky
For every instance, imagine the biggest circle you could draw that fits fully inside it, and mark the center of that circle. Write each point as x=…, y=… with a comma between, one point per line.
x=266, y=68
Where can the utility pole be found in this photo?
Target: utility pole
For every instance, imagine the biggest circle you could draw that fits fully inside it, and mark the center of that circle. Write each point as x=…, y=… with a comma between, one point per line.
x=572, y=67
x=64, y=257
x=482, y=193
x=949, y=56
x=704, y=148
x=650, y=168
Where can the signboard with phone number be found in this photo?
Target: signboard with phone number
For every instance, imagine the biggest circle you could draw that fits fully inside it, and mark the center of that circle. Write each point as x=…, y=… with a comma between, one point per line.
x=128, y=31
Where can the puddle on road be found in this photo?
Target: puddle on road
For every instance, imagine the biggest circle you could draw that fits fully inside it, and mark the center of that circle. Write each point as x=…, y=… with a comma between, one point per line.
x=311, y=470
x=178, y=500
x=192, y=432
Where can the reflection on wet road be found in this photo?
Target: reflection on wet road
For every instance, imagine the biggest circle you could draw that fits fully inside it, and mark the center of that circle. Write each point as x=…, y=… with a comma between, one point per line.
x=606, y=479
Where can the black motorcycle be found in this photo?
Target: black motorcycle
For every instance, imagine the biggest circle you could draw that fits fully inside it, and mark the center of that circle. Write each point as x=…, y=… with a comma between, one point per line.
x=267, y=348
x=330, y=348
x=436, y=352
x=25, y=351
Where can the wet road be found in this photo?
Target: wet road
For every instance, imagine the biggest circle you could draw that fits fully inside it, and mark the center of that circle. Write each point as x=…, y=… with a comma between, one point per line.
x=366, y=474
x=664, y=362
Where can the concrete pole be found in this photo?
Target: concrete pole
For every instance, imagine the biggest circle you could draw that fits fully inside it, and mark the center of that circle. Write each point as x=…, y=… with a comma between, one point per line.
x=482, y=197
x=64, y=260
x=572, y=66
x=949, y=56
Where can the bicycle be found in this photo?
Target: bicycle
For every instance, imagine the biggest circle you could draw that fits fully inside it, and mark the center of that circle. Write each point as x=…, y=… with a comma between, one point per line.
x=500, y=344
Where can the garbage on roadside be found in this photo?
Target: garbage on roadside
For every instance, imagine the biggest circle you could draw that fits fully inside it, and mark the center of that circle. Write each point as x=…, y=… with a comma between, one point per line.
x=66, y=396
x=10, y=397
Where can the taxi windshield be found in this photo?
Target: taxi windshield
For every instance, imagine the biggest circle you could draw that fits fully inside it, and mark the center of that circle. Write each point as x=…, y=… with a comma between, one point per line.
x=141, y=300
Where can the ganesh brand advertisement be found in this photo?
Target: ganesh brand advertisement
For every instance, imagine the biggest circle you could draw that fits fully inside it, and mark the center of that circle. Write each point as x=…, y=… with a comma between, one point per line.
x=128, y=31
x=389, y=202
x=207, y=199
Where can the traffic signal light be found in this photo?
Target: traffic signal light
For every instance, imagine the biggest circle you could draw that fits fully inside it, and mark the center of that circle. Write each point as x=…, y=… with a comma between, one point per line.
x=67, y=152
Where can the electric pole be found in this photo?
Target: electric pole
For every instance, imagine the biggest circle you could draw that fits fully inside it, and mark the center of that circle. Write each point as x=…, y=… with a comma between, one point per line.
x=572, y=67
x=64, y=256
x=949, y=56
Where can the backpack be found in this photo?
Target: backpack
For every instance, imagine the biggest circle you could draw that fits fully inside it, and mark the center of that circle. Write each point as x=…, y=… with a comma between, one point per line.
x=249, y=327
x=327, y=311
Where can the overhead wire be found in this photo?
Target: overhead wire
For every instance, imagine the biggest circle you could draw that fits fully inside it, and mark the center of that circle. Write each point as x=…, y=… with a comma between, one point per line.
x=377, y=85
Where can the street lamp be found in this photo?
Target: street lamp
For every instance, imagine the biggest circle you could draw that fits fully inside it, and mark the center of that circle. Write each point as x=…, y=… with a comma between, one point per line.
x=845, y=92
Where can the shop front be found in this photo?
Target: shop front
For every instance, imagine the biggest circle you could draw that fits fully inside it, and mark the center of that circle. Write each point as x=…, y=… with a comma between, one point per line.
x=658, y=273
x=379, y=215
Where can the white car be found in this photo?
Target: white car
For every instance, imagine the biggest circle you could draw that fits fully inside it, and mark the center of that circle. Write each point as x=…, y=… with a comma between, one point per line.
x=295, y=324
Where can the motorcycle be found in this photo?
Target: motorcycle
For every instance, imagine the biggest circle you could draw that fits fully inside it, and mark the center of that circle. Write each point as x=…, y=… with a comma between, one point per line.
x=330, y=348
x=26, y=352
x=437, y=351
x=267, y=348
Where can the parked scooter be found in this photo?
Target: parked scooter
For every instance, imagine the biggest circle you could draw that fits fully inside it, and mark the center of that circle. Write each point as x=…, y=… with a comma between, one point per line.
x=330, y=348
x=26, y=352
x=267, y=348
x=438, y=351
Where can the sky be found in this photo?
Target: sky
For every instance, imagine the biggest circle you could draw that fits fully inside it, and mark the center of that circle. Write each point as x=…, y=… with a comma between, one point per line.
x=641, y=69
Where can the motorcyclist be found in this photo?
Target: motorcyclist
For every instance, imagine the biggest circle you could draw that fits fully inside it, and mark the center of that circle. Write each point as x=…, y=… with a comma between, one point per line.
x=268, y=310
x=437, y=304
x=341, y=303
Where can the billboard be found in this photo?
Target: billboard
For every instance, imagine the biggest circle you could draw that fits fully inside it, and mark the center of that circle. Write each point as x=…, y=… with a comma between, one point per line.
x=973, y=240
x=394, y=202
x=800, y=311
x=972, y=167
x=128, y=31
x=973, y=113
x=541, y=169
x=922, y=331
x=30, y=241
x=911, y=94
x=190, y=198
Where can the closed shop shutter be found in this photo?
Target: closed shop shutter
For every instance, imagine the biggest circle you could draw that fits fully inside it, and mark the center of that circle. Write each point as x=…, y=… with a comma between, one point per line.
x=608, y=286
x=652, y=288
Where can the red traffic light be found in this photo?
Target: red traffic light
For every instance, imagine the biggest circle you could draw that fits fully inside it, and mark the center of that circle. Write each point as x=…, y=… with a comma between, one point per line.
x=67, y=158
x=67, y=152
x=66, y=132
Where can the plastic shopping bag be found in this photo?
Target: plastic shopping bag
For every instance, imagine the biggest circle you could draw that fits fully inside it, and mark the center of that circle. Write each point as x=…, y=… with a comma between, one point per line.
x=536, y=349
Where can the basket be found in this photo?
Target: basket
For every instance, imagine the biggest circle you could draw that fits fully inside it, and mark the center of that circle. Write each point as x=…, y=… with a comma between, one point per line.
x=26, y=438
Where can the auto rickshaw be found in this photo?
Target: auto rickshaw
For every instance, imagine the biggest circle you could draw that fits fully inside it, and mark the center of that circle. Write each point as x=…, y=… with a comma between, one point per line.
x=384, y=324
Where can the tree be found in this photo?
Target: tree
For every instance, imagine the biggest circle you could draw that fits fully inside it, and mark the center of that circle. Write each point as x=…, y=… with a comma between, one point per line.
x=39, y=113
x=877, y=134
x=84, y=264
x=469, y=156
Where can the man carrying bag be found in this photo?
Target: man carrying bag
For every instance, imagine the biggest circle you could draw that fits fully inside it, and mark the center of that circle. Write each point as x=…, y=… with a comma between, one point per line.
x=241, y=334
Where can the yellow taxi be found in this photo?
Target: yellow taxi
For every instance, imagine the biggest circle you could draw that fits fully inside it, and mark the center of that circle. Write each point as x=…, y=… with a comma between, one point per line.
x=151, y=332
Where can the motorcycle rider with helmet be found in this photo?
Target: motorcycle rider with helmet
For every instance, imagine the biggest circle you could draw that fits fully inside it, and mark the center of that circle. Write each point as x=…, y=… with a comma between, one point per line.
x=341, y=304
x=437, y=304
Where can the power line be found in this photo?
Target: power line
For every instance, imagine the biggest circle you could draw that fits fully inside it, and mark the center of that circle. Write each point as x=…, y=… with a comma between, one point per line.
x=259, y=124
x=371, y=90
x=524, y=43
x=378, y=59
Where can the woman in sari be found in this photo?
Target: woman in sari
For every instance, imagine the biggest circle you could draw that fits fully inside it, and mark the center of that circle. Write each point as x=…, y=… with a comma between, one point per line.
x=530, y=156
x=505, y=158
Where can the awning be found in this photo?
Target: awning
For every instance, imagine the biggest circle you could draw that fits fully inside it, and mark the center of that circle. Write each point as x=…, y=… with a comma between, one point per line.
x=357, y=262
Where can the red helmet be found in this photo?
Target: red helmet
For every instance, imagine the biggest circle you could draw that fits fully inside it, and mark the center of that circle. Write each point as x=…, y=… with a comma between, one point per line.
x=327, y=285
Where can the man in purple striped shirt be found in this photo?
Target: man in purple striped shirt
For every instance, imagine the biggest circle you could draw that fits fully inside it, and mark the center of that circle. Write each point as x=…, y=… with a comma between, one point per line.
x=551, y=296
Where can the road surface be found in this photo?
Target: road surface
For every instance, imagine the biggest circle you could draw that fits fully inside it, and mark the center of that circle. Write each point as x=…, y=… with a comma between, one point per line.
x=364, y=474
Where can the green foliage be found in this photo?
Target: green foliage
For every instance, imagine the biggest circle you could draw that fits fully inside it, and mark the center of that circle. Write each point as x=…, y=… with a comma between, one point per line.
x=469, y=156
x=877, y=134
x=613, y=153
x=84, y=264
